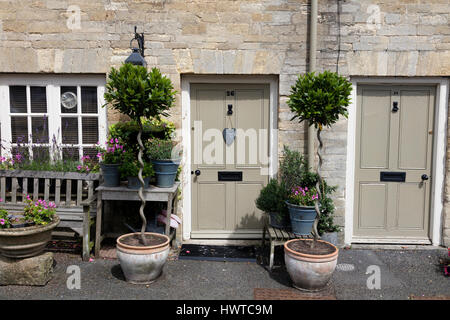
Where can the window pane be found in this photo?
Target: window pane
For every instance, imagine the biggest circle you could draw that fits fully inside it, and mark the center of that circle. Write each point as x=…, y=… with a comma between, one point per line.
x=69, y=128
x=70, y=154
x=90, y=130
x=89, y=99
x=38, y=99
x=69, y=100
x=39, y=126
x=18, y=99
x=19, y=130
x=41, y=154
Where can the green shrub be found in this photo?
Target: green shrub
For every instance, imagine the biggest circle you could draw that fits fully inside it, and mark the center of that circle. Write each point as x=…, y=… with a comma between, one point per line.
x=294, y=172
x=271, y=198
x=130, y=167
x=158, y=149
x=320, y=99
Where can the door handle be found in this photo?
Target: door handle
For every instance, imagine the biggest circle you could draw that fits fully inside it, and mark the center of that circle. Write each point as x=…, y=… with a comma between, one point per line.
x=395, y=106
x=424, y=177
x=197, y=172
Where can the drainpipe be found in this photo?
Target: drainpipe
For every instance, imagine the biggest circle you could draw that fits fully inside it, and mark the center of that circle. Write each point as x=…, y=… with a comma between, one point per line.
x=312, y=67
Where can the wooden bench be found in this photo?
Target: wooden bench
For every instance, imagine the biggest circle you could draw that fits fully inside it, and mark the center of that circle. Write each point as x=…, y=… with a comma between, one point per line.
x=72, y=192
x=277, y=237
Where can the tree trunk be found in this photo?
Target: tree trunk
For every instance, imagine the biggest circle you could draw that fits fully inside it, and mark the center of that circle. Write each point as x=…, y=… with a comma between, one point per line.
x=318, y=186
x=141, y=188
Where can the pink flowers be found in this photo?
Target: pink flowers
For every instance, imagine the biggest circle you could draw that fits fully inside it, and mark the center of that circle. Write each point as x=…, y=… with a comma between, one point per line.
x=303, y=196
x=2, y=222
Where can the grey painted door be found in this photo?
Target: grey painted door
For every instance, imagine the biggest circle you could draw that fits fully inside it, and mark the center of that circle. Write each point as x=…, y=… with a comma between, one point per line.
x=393, y=142
x=221, y=208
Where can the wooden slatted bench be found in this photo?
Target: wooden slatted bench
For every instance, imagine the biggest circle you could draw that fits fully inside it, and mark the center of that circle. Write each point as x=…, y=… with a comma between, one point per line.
x=72, y=192
x=277, y=237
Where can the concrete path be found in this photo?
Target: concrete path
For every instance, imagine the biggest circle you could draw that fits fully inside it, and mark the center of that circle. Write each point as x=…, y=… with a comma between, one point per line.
x=403, y=273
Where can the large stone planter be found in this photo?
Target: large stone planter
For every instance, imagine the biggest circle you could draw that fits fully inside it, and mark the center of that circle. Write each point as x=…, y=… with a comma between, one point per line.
x=142, y=264
x=307, y=271
x=26, y=242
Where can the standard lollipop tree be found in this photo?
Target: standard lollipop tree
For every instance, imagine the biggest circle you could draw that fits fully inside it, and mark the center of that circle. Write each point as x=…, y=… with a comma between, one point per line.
x=320, y=100
x=138, y=93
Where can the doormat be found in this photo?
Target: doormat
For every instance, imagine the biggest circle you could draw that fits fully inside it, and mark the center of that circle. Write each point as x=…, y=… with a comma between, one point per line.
x=217, y=253
x=63, y=246
x=292, y=294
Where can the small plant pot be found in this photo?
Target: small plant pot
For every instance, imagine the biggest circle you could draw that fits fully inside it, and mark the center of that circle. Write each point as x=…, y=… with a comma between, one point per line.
x=26, y=242
x=142, y=264
x=309, y=271
x=165, y=172
x=279, y=221
x=302, y=219
x=134, y=183
x=111, y=174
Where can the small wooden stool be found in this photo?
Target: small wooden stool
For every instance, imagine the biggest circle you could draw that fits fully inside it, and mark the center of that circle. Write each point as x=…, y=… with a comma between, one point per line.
x=277, y=237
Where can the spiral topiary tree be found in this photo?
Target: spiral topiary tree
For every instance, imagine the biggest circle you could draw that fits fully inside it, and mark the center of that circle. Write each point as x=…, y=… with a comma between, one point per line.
x=134, y=91
x=320, y=100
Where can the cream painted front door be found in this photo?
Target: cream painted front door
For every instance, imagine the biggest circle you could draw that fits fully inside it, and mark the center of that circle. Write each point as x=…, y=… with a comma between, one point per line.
x=227, y=176
x=394, y=140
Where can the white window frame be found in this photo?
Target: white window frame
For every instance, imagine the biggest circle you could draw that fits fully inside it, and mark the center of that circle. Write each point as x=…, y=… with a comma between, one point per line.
x=53, y=83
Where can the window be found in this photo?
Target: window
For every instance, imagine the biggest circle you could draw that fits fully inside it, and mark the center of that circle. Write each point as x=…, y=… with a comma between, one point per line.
x=47, y=115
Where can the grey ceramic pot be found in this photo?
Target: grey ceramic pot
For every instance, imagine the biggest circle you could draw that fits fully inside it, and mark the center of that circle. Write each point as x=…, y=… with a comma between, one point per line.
x=142, y=265
x=309, y=272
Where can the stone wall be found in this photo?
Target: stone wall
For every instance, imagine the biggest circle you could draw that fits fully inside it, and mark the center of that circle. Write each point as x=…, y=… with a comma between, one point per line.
x=356, y=38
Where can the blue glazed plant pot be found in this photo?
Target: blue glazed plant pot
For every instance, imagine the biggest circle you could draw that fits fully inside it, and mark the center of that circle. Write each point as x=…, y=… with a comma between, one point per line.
x=111, y=174
x=134, y=183
x=166, y=172
x=302, y=219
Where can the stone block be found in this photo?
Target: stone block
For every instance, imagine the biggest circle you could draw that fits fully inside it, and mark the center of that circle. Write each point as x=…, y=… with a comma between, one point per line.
x=34, y=271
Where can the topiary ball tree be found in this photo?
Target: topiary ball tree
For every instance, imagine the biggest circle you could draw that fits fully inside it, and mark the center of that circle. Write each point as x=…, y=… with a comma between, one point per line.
x=134, y=91
x=320, y=99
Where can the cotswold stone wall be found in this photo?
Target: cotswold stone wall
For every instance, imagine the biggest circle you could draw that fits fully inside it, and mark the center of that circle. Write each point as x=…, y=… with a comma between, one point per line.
x=232, y=37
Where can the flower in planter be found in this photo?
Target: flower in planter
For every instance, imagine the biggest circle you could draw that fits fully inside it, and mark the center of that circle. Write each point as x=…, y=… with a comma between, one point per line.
x=303, y=196
x=112, y=153
x=40, y=212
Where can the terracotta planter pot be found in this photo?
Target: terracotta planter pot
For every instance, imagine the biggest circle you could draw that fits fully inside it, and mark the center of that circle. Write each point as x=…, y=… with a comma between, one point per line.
x=310, y=272
x=26, y=242
x=142, y=265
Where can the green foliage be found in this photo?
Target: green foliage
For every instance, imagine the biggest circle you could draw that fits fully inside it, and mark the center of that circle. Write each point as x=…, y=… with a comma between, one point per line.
x=320, y=99
x=128, y=131
x=5, y=221
x=135, y=92
x=294, y=172
x=272, y=198
x=39, y=212
x=158, y=149
x=130, y=167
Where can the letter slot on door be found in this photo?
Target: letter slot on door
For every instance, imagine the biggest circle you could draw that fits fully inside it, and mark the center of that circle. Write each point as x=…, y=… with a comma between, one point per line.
x=392, y=176
x=230, y=175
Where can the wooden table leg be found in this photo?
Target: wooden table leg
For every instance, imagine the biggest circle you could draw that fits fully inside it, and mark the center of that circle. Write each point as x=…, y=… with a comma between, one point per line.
x=169, y=214
x=98, y=225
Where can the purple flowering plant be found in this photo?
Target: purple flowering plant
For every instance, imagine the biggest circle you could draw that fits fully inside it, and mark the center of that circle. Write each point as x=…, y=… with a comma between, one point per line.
x=112, y=153
x=303, y=196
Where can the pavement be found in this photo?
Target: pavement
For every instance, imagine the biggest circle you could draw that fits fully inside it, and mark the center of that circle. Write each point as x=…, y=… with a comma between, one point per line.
x=403, y=274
